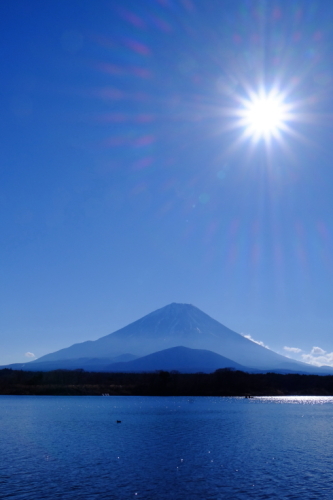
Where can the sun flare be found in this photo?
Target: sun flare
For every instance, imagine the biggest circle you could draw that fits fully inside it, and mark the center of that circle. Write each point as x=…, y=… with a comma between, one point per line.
x=264, y=116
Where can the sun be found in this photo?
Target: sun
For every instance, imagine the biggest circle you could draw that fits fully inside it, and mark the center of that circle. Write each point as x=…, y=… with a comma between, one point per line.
x=263, y=116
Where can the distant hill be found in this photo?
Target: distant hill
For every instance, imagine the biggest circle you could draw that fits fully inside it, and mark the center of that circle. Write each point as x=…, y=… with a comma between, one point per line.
x=87, y=364
x=173, y=326
x=182, y=359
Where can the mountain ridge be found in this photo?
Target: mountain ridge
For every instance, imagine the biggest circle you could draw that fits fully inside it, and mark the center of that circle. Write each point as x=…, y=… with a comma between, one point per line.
x=182, y=359
x=177, y=325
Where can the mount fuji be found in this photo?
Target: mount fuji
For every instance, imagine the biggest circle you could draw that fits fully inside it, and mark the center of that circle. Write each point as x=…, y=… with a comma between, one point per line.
x=175, y=325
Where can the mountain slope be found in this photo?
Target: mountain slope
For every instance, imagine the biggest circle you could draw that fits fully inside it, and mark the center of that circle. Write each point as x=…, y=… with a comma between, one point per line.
x=182, y=359
x=87, y=364
x=179, y=325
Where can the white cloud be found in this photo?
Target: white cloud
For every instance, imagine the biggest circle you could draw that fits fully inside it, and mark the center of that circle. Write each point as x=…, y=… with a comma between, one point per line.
x=318, y=360
x=325, y=359
x=255, y=341
x=316, y=357
x=29, y=355
x=317, y=351
x=296, y=350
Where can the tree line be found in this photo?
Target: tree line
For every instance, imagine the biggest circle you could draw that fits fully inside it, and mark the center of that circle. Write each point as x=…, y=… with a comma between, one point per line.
x=223, y=382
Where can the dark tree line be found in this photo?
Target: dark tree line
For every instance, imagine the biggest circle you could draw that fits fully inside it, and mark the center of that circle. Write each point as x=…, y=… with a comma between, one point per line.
x=222, y=382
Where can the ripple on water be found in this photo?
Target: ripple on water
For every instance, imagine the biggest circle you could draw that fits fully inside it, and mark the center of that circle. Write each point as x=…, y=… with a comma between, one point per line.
x=198, y=448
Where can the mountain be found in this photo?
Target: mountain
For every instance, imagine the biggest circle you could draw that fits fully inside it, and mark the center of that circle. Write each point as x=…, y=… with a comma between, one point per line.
x=87, y=364
x=173, y=326
x=182, y=359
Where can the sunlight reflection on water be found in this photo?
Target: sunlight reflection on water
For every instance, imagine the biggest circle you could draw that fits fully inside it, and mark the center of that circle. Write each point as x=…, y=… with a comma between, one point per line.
x=303, y=400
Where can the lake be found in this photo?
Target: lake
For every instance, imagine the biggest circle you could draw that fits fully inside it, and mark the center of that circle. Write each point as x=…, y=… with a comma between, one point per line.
x=166, y=448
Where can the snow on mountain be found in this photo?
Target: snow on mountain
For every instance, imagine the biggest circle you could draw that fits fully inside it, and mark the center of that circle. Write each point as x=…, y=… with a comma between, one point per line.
x=179, y=325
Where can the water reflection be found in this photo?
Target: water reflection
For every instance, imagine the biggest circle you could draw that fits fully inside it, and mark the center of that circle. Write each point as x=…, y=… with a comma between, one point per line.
x=304, y=400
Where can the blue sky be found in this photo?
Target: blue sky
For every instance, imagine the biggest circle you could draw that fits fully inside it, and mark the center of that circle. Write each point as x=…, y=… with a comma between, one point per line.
x=126, y=184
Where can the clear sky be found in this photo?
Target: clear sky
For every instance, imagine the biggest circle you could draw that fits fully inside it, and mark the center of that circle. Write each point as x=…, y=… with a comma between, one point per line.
x=129, y=181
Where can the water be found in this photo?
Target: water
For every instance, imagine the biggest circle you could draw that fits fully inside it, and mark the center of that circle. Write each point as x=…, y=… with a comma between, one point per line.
x=165, y=448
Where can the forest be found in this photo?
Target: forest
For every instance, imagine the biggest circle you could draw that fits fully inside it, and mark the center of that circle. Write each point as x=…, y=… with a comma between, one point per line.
x=223, y=382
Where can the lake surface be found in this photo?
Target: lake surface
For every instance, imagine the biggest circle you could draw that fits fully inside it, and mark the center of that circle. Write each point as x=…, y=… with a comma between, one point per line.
x=165, y=448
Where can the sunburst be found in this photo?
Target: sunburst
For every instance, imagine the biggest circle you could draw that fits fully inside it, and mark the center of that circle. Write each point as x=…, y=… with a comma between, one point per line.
x=264, y=115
